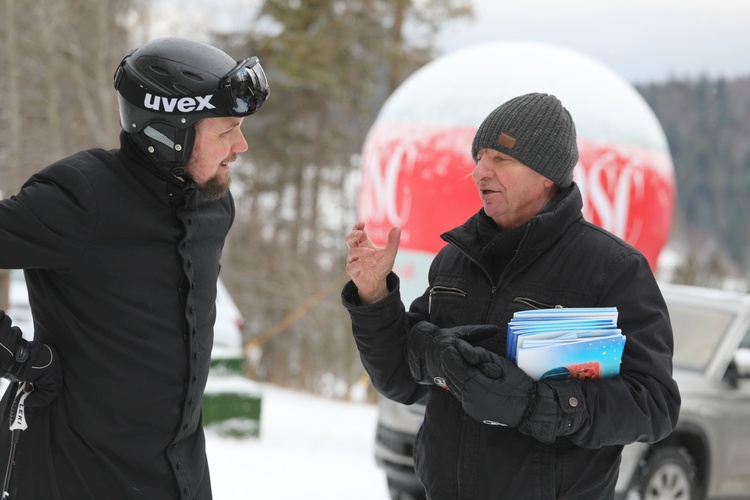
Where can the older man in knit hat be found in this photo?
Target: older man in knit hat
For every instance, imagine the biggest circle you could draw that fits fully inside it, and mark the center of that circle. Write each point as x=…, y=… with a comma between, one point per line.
x=490, y=430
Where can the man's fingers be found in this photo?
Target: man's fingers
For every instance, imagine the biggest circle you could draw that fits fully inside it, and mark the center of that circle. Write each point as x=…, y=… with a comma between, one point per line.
x=471, y=354
x=456, y=370
x=394, y=238
x=481, y=358
x=492, y=370
x=355, y=238
x=481, y=332
x=362, y=255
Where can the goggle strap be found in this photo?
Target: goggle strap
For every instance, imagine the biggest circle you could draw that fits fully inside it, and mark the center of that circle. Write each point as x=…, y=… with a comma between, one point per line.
x=136, y=95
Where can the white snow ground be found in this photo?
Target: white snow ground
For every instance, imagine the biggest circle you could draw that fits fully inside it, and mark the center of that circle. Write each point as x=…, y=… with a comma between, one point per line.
x=310, y=448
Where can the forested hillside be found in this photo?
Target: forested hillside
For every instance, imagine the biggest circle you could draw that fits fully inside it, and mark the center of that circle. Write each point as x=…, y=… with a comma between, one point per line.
x=707, y=123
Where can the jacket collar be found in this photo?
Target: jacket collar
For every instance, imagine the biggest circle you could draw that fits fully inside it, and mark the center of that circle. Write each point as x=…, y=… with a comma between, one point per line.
x=159, y=182
x=555, y=218
x=540, y=232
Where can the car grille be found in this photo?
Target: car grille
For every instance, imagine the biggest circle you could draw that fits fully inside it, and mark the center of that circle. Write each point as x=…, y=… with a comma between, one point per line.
x=400, y=442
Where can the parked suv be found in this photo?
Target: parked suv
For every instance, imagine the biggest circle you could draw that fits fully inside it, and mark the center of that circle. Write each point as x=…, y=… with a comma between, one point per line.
x=707, y=455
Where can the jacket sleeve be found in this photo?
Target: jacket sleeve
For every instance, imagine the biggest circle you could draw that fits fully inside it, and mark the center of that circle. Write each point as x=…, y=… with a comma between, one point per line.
x=48, y=223
x=643, y=402
x=380, y=332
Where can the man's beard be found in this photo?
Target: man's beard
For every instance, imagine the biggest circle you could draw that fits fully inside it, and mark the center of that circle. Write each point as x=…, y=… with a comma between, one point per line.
x=216, y=187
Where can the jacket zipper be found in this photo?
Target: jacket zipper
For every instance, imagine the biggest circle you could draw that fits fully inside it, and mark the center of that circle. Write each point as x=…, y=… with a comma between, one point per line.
x=447, y=290
x=537, y=304
x=494, y=286
x=486, y=273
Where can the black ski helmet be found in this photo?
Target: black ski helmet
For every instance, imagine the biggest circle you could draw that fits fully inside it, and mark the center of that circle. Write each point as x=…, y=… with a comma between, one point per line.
x=170, y=83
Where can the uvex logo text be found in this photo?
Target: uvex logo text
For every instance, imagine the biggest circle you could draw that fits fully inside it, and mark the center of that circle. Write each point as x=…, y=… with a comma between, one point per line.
x=181, y=104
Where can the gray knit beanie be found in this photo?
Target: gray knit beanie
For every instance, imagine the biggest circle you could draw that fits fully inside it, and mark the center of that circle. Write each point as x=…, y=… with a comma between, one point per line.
x=536, y=130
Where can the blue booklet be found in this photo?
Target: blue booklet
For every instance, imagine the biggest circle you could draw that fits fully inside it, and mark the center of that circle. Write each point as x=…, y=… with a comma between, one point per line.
x=582, y=343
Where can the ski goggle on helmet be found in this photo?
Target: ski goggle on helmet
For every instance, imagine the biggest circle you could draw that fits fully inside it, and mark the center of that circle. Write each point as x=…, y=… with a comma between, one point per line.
x=247, y=86
x=178, y=82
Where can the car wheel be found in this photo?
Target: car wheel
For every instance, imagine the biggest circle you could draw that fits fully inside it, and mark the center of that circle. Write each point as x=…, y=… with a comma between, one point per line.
x=668, y=474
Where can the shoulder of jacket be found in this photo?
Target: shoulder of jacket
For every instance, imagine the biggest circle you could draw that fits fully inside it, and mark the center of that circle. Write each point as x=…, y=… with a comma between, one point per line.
x=86, y=158
x=584, y=226
x=595, y=240
x=88, y=163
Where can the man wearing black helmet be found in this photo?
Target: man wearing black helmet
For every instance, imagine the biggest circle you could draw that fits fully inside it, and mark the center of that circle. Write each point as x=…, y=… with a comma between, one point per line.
x=121, y=253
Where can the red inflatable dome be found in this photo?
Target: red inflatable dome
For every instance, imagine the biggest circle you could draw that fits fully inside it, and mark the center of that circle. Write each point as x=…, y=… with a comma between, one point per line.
x=416, y=162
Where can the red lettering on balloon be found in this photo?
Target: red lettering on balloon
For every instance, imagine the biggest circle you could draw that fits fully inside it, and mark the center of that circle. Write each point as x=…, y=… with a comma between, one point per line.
x=418, y=177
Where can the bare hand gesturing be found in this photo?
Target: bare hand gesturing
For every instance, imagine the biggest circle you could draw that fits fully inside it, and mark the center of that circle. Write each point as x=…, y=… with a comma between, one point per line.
x=368, y=265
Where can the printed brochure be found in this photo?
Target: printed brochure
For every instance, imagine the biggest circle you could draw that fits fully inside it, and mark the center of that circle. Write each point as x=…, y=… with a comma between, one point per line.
x=582, y=343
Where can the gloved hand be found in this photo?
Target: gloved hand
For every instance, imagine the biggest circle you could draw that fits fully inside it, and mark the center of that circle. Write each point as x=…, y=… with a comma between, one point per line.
x=33, y=362
x=494, y=391
x=426, y=343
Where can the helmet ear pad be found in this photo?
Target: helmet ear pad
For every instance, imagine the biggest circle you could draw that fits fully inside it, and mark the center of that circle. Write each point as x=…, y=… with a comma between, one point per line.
x=167, y=144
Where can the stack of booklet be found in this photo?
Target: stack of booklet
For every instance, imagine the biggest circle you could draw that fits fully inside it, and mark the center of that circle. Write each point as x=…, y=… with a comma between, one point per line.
x=582, y=343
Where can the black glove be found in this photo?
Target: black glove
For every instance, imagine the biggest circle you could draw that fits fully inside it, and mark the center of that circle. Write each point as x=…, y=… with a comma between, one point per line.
x=33, y=362
x=494, y=391
x=426, y=343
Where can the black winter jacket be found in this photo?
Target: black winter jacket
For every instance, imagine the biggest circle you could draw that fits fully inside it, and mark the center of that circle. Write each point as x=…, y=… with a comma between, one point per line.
x=562, y=260
x=121, y=266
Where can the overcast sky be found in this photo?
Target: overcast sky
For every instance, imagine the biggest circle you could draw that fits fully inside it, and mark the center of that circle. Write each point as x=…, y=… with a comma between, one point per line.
x=642, y=40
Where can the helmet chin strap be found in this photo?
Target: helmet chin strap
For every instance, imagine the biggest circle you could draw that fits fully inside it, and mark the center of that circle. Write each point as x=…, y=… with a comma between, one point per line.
x=167, y=146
